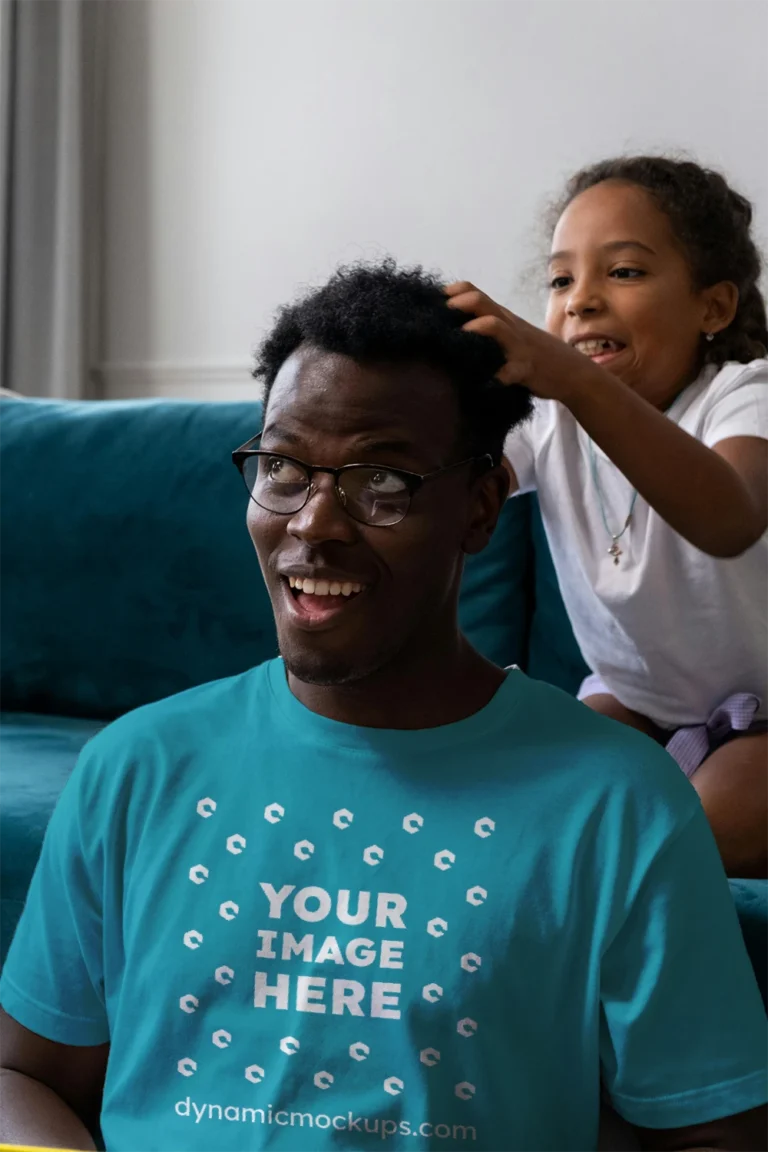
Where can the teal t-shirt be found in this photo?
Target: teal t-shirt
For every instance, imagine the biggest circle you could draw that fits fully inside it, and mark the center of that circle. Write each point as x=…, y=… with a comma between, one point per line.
x=299, y=934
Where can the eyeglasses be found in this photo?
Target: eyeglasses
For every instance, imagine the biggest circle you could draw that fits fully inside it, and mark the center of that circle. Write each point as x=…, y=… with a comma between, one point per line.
x=376, y=496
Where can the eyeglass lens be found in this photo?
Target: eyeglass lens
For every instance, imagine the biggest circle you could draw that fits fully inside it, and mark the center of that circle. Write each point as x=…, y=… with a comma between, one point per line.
x=371, y=495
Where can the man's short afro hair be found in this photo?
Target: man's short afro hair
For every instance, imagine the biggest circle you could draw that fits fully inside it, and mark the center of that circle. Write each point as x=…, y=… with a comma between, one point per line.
x=379, y=313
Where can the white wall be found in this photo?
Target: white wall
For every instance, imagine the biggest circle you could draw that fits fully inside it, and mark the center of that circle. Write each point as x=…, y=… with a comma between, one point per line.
x=253, y=145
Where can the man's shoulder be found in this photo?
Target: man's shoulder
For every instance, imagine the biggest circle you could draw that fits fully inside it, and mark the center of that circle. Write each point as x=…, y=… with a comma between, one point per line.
x=159, y=753
x=167, y=729
x=564, y=723
x=570, y=737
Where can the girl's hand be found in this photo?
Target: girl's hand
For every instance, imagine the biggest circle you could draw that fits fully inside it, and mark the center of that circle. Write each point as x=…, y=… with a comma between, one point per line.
x=541, y=362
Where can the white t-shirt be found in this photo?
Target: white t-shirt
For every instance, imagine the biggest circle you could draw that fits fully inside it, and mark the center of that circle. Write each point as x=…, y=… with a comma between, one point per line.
x=672, y=631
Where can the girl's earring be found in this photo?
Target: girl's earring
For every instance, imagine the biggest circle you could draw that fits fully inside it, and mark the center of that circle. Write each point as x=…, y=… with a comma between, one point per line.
x=710, y=336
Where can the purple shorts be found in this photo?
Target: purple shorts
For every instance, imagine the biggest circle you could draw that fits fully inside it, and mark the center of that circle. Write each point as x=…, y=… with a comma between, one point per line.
x=691, y=746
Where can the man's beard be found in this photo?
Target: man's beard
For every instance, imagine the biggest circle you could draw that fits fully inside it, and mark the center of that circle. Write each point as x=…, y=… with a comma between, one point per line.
x=328, y=670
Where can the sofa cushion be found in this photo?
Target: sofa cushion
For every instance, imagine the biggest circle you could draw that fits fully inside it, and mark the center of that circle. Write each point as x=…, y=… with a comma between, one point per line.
x=127, y=570
x=38, y=754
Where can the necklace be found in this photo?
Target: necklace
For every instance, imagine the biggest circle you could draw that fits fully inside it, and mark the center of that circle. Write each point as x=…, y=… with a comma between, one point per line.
x=614, y=550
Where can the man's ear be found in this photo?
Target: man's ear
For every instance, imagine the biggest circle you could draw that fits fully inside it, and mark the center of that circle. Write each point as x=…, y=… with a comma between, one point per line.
x=489, y=494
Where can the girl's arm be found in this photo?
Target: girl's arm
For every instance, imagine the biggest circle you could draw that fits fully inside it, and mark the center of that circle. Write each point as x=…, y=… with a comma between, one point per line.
x=716, y=498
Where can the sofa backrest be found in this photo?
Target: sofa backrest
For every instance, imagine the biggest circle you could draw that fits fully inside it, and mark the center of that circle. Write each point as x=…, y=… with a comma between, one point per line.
x=126, y=567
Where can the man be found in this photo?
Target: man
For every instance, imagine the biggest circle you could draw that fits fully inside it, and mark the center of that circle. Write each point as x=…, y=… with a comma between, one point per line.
x=371, y=893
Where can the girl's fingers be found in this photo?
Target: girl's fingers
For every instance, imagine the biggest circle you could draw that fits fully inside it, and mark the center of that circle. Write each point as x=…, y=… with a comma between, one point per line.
x=458, y=287
x=465, y=297
x=472, y=300
x=497, y=328
x=516, y=368
x=494, y=321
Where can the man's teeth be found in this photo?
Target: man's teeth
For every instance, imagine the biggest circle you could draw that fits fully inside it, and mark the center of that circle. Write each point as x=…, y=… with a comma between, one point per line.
x=595, y=347
x=323, y=587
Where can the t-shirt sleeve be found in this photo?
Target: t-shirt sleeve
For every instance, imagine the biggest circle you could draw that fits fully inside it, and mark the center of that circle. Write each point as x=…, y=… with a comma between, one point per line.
x=683, y=1029
x=742, y=410
x=53, y=980
x=520, y=450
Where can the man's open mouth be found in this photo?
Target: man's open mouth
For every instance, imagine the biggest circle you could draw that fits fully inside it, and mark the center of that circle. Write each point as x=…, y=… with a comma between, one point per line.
x=314, y=602
x=325, y=587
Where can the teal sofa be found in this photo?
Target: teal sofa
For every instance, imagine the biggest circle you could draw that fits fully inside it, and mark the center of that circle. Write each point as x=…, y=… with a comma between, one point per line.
x=127, y=575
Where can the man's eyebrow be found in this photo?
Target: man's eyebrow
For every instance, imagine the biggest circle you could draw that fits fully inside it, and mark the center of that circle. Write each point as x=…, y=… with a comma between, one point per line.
x=397, y=447
x=278, y=432
x=281, y=433
x=611, y=246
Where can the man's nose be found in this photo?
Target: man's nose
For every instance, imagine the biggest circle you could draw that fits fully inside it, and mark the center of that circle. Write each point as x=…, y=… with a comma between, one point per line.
x=323, y=517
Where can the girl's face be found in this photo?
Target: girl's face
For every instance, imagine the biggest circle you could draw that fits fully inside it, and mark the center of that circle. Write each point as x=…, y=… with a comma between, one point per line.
x=621, y=291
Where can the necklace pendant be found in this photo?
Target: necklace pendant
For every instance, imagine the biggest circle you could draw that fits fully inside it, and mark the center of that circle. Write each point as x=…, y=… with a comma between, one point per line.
x=615, y=551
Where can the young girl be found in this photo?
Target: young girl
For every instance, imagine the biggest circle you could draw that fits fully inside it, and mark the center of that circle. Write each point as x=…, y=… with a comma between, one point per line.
x=648, y=451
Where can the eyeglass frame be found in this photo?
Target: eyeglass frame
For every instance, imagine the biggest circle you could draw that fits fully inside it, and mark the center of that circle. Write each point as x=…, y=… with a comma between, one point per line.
x=413, y=480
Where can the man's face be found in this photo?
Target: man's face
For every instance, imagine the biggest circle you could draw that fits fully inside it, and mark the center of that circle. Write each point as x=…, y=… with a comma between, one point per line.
x=326, y=409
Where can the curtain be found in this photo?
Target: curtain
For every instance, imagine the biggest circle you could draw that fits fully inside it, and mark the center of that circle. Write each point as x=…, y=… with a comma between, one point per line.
x=51, y=135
